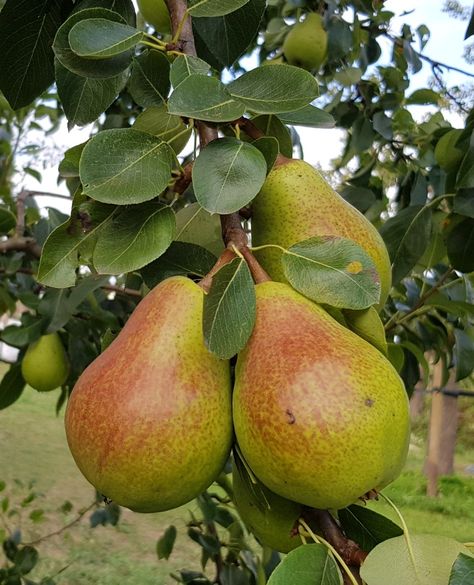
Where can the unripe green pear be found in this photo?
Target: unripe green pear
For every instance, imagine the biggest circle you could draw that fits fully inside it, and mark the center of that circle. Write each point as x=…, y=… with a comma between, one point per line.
x=447, y=154
x=269, y=517
x=296, y=203
x=45, y=365
x=320, y=416
x=149, y=421
x=155, y=12
x=306, y=44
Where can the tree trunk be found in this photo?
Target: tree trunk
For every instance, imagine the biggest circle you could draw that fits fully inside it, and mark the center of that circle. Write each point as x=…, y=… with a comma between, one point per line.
x=417, y=401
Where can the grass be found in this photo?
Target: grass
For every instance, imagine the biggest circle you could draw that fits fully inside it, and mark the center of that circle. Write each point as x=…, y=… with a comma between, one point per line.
x=33, y=447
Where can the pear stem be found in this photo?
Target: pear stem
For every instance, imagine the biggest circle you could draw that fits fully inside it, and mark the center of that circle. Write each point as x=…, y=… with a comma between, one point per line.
x=226, y=256
x=258, y=273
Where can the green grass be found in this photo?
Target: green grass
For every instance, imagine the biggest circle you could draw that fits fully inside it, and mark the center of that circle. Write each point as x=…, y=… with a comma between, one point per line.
x=33, y=447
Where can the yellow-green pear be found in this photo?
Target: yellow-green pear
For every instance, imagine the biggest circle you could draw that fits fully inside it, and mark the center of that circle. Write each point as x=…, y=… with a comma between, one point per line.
x=155, y=12
x=149, y=421
x=45, y=365
x=306, y=44
x=320, y=415
x=446, y=153
x=296, y=203
x=272, y=519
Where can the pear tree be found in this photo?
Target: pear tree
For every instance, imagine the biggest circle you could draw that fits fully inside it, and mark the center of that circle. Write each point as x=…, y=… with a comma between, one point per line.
x=316, y=296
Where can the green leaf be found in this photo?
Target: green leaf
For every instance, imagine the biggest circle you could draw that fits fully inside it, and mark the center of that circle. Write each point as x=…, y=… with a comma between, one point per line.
x=406, y=236
x=383, y=125
x=308, y=116
x=184, y=66
x=197, y=226
x=99, y=38
x=470, y=26
x=227, y=37
x=69, y=166
x=458, y=308
x=149, y=83
x=61, y=252
x=207, y=8
x=462, y=572
x=268, y=146
x=19, y=336
x=433, y=557
x=360, y=197
x=227, y=175
x=125, y=8
x=83, y=98
x=463, y=203
x=334, y=271
x=89, y=67
x=465, y=177
x=155, y=120
x=309, y=564
x=7, y=220
x=11, y=386
x=165, y=544
x=134, y=166
x=271, y=90
x=366, y=527
x=460, y=246
x=424, y=96
x=181, y=258
x=463, y=353
x=204, y=98
x=271, y=125
x=26, y=559
x=229, y=309
x=27, y=30
x=134, y=237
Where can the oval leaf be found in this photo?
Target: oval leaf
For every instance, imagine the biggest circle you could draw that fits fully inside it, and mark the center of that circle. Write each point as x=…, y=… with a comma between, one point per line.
x=228, y=174
x=171, y=129
x=308, y=116
x=460, y=246
x=229, y=309
x=270, y=90
x=208, y=8
x=186, y=65
x=125, y=166
x=334, y=271
x=462, y=572
x=134, y=237
x=366, y=527
x=204, y=98
x=309, y=564
x=149, y=83
x=7, y=220
x=164, y=546
x=99, y=38
x=11, y=386
x=431, y=562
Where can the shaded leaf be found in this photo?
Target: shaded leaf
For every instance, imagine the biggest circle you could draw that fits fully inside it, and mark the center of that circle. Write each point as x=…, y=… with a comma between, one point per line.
x=125, y=166
x=227, y=175
x=165, y=544
x=207, y=8
x=334, y=271
x=462, y=572
x=308, y=116
x=7, y=220
x=460, y=246
x=156, y=120
x=463, y=353
x=149, y=82
x=11, y=386
x=270, y=90
x=309, y=564
x=366, y=527
x=26, y=559
x=99, y=38
x=229, y=309
x=197, y=226
x=465, y=177
x=268, y=146
x=184, y=66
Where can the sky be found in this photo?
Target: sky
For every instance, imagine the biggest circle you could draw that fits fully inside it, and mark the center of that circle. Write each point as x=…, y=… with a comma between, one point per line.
x=323, y=145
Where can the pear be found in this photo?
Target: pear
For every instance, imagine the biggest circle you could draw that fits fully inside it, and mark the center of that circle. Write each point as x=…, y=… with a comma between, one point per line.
x=269, y=517
x=155, y=12
x=320, y=415
x=306, y=44
x=296, y=203
x=45, y=365
x=149, y=421
x=368, y=325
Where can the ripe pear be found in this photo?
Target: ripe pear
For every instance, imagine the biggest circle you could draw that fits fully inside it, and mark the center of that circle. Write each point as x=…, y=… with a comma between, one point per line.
x=306, y=44
x=155, y=12
x=269, y=517
x=45, y=365
x=296, y=203
x=149, y=421
x=320, y=415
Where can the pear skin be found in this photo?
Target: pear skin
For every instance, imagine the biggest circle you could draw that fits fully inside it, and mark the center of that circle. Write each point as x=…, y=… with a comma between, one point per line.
x=269, y=517
x=149, y=421
x=306, y=44
x=45, y=365
x=320, y=415
x=296, y=203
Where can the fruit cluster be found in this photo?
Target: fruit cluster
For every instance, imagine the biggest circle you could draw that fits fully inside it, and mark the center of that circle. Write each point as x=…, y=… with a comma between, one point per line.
x=320, y=415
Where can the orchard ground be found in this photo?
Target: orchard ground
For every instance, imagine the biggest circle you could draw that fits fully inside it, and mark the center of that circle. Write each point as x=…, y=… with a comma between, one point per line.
x=33, y=448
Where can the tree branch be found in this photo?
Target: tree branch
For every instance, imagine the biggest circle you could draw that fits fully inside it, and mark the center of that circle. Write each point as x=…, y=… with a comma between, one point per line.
x=21, y=245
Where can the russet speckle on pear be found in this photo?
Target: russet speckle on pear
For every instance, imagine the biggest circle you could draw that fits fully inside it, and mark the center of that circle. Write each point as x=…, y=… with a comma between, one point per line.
x=149, y=421
x=296, y=203
x=320, y=415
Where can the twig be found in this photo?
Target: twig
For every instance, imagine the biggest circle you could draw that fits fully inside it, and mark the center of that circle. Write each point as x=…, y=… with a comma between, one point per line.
x=443, y=88
x=64, y=528
x=21, y=245
x=131, y=292
x=20, y=213
x=226, y=256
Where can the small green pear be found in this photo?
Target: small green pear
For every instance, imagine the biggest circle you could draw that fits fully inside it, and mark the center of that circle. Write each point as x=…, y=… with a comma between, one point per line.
x=45, y=365
x=155, y=12
x=296, y=203
x=447, y=154
x=269, y=517
x=149, y=421
x=306, y=44
x=320, y=415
